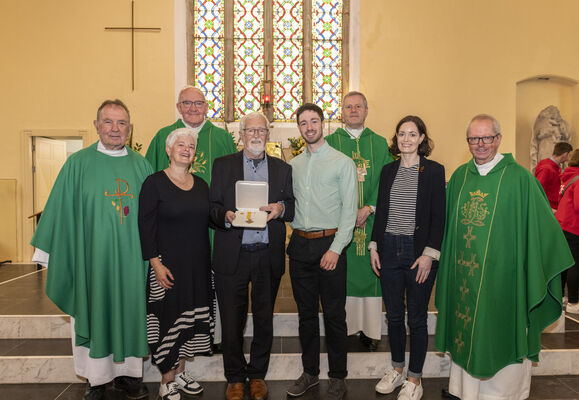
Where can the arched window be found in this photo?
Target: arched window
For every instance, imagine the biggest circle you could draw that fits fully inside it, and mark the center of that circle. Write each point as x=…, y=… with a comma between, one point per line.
x=280, y=53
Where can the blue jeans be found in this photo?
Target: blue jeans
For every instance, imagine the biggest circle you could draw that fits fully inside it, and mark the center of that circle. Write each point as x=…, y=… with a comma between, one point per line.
x=397, y=279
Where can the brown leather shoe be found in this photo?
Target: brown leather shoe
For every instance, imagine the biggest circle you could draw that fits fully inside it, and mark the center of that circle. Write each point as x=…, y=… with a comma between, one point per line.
x=234, y=391
x=257, y=389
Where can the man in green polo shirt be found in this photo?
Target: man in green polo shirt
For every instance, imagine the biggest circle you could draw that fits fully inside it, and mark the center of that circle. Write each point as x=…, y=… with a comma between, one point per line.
x=326, y=193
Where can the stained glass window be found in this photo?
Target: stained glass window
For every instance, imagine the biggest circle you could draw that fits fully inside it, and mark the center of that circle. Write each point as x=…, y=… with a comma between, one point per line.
x=248, y=56
x=208, y=53
x=287, y=58
x=265, y=39
x=327, y=56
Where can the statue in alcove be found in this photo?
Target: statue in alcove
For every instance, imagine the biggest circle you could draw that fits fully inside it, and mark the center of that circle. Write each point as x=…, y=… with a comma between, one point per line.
x=549, y=129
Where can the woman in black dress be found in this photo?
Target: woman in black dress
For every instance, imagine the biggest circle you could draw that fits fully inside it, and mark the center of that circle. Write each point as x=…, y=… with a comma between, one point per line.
x=173, y=224
x=405, y=248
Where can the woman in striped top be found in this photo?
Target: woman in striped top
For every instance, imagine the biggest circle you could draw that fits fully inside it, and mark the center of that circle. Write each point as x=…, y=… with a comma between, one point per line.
x=405, y=248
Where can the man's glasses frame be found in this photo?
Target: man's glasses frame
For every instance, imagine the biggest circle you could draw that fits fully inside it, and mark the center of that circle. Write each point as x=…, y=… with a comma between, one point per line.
x=188, y=103
x=253, y=131
x=485, y=139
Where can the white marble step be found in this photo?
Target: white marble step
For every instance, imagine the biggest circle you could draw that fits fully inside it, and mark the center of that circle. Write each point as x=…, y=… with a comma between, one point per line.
x=56, y=369
x=58, y=326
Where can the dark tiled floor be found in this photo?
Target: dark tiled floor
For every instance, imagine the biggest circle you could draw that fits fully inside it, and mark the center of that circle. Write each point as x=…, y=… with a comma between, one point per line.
x=11, y=271
x=24, y=295
x=555, y=387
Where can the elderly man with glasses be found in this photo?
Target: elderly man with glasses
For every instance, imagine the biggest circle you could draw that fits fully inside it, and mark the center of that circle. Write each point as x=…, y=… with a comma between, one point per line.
x=243, y=256
x=213, y=141
x=498, y=285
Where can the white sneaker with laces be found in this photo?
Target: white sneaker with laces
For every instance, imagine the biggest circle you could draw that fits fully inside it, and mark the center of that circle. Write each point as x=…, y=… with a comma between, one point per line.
x=389, y=382
x=572, y=308
x=169, y=391
x=410, y=391
x=187, y=383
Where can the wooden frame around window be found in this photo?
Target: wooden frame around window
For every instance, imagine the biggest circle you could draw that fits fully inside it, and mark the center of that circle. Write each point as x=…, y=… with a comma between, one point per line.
x=229, y=80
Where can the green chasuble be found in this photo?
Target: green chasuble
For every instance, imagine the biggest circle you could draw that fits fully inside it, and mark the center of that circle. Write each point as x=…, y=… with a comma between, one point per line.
x=498, y=285
x=370, y=153
x=96, y=271
x=213, y=142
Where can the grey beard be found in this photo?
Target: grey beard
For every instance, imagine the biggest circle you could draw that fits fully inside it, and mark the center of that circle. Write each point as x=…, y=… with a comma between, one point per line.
x=255, y=152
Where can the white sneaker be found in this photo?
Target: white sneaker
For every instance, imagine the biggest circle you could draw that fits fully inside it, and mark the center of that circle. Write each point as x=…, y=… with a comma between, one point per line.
x=169, y=391
x=410, y=391
x=187, y=383
x=389, y=382
x=572, y=308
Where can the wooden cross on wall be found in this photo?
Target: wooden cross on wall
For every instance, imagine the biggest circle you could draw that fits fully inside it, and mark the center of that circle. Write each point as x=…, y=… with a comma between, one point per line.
x=133, y=29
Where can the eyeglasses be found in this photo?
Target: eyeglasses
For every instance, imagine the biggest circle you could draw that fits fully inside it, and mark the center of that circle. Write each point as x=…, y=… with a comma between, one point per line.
x=187, y=103
x=253, y=131
x=485, y=139
x=350, y=107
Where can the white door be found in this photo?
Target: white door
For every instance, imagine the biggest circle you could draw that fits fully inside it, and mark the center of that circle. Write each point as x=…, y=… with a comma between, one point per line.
x=49, y=156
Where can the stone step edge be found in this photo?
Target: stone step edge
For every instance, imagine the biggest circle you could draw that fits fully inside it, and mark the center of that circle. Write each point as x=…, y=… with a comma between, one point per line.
x=285, y=324
x=60, y=369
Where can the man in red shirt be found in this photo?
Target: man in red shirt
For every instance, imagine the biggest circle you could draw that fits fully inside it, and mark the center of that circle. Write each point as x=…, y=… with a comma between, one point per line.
x=549, y=169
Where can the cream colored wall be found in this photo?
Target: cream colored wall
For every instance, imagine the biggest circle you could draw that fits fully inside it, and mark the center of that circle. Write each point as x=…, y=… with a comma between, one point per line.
x=448, y=60
x=532, y=97
x=444, y=60
x=58, y=65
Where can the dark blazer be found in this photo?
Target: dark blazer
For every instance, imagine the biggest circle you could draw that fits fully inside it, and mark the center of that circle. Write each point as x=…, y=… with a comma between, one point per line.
x=430, y=205
x=227, y=243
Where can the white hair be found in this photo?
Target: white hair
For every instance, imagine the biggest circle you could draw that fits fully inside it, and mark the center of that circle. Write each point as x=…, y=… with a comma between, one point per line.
x=177, y=133
x=485, y=117
x=190, y=87
x=252, y=115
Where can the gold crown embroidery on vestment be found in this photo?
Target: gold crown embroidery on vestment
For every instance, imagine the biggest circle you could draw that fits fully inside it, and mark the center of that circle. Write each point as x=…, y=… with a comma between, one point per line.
x=478, y=193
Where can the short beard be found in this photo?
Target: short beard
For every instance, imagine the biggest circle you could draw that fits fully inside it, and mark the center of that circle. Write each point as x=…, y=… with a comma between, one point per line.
x=255, y=151
x=314, y=141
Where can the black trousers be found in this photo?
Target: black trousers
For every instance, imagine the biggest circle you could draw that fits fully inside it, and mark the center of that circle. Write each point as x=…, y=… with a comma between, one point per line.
x=571, y=275
x=232, y=295
x=311, y=284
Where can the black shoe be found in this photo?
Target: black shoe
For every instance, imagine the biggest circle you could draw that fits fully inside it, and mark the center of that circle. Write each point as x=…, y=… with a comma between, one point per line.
x=447, y=395
x=370, y=344
x=94, y=392
x=134, y=388
x=217, y=348
x=336, y=389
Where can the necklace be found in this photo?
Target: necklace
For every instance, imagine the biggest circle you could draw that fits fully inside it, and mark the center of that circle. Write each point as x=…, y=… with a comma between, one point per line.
x=184, y=182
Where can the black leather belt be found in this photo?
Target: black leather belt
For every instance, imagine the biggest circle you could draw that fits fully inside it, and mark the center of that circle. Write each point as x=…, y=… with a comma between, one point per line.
x=254, y=247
